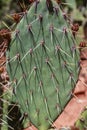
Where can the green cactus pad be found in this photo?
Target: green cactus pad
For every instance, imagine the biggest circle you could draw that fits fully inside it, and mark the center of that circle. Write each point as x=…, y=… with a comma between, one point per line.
x=43, y=63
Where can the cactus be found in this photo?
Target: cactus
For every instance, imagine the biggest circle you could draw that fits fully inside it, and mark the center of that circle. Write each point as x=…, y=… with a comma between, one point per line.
x=42, y=63
x=82, y=121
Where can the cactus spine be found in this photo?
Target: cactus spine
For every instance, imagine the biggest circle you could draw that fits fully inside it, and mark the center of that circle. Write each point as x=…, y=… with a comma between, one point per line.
x=43, y=63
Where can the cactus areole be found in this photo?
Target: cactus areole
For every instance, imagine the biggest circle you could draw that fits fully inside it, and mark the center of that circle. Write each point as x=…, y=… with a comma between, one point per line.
x=42, y=63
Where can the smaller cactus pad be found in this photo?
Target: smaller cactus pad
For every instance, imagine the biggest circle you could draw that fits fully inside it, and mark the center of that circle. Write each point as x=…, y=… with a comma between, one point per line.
x=82, y=121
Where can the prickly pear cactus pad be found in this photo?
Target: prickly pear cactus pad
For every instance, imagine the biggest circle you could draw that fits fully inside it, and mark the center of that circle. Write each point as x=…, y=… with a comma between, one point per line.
x=42, y=62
